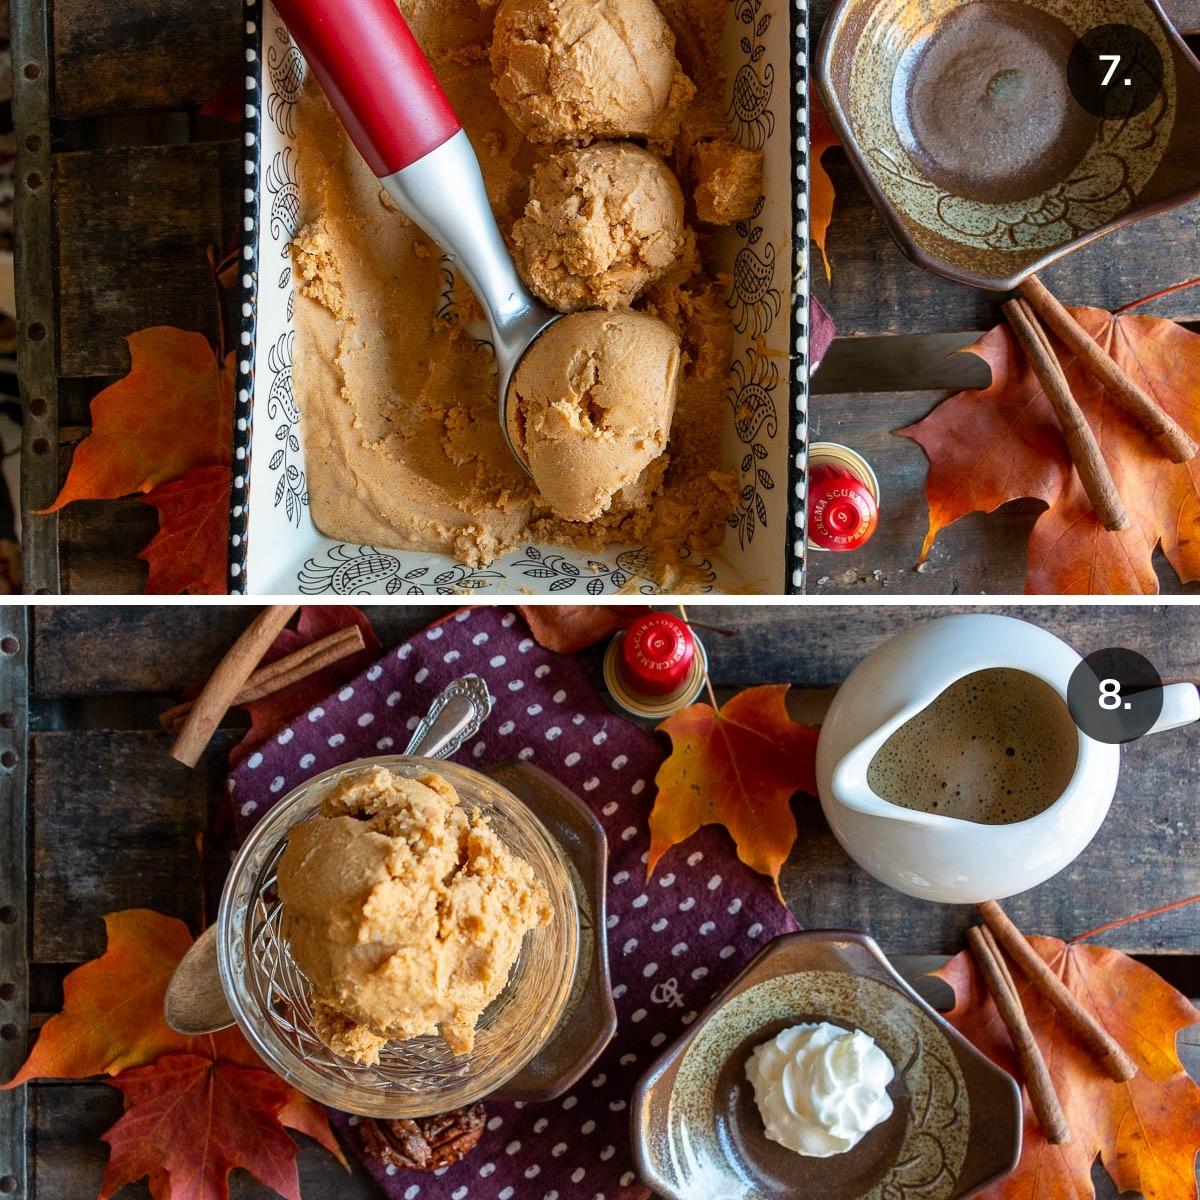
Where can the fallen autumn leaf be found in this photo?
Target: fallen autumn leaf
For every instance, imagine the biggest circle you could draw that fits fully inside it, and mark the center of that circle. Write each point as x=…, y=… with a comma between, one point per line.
x=1146, y=1130
x=738, y=767
x=991, y=445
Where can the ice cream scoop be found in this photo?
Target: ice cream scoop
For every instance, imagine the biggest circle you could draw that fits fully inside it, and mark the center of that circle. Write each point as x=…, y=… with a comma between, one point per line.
x=569, y=70
x=591, y=406
x=384, y=90
x=603, y=222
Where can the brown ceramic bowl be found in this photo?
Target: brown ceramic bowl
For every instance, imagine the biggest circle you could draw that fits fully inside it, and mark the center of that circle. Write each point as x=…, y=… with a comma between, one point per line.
x=960, y=121
x=956, y=1122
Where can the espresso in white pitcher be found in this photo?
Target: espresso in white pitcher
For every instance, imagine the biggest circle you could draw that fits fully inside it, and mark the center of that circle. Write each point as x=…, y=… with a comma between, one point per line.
x=996, y=747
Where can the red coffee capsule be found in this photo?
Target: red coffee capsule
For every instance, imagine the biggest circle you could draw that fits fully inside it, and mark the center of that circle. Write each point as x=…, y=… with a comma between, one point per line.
x=843, y=498
x=656, y=655
x=655, y=667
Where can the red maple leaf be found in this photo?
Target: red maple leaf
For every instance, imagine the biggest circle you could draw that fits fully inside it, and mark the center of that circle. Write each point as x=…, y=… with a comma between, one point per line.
x=188, y=554
x=190, y=1120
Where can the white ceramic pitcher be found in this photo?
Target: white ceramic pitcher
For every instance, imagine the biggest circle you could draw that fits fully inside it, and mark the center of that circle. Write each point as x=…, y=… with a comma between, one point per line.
x=945, y=858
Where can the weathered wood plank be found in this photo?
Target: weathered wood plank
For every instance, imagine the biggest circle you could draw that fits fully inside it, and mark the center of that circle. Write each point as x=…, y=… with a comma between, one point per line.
x=817, y=646
x=982, y=553
x=162, y=648
x=115, y=822
x=165, y=205
x=69, y=1119
x=920, y=363
x=111, y=58
x=99, y=542
x=96, y=650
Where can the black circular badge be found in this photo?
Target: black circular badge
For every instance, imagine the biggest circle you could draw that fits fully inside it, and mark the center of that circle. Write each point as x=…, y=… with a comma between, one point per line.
x=1115, y=695
x=1115, y=72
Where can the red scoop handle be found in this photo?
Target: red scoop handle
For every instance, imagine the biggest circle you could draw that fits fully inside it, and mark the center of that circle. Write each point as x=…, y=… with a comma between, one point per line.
x=376, y=77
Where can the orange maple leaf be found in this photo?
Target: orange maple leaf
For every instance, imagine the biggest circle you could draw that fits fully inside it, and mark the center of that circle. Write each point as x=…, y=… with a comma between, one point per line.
x=189, y=1121
x=991, y=445
x=821, y=195
x=188, y=554
x=738, y=767
x=172, y=413
x=1146, y=1130
x=112, y=1006
x=192, y=1103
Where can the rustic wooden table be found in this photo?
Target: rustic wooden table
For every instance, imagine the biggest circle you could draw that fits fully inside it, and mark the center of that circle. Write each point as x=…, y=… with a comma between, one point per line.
x=121, y=188
x=94, y=816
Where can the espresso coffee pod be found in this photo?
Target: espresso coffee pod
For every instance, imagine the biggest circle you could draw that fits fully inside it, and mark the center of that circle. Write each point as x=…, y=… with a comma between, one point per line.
x=655, y=667
x=843, y=498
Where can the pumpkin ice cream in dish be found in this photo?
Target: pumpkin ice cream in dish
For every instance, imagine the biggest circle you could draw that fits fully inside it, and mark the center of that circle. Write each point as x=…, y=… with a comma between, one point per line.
x=594, y=124
x=405, y=911
x=578, y=69
x=602, y=224
x=590, y=408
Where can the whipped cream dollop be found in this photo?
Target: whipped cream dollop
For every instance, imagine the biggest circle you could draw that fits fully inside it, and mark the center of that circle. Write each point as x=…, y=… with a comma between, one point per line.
x=820, y=1088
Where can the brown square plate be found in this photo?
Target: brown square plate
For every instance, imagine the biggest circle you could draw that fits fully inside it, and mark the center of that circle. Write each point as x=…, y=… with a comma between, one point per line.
x=962, y=124
x=697, y=1134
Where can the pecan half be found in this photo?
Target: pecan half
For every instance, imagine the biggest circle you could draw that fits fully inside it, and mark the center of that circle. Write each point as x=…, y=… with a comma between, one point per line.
x=424, y=1143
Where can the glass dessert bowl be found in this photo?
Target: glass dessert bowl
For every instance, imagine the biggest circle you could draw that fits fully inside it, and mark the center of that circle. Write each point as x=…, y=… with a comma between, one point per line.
x=271, y=998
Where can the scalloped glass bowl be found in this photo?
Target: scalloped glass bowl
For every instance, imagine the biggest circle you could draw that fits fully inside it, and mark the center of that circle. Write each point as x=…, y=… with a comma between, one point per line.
x=270, y=996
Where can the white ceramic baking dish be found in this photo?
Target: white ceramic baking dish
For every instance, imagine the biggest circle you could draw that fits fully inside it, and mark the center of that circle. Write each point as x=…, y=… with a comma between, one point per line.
x=274, y=546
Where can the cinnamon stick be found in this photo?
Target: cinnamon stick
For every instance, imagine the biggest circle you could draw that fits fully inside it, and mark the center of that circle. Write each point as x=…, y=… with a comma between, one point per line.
x=227, y=680
x=1098, y=1041
x=1081, y=442
x=1042, y=1096
x=283, y=672
x=1140, y=405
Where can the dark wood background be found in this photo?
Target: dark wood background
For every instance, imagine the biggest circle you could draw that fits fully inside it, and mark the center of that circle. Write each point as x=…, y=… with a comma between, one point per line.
x=122, y=186
x=94, y=816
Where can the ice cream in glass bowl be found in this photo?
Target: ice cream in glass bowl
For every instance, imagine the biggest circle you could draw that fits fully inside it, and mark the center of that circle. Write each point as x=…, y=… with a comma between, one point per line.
x=399, y=936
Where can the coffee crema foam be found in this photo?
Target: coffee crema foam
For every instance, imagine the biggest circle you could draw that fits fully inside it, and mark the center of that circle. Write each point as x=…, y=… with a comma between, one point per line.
x=996, y=747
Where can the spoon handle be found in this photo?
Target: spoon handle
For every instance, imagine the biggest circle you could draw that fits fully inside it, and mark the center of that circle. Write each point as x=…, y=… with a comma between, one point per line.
x=453, y=717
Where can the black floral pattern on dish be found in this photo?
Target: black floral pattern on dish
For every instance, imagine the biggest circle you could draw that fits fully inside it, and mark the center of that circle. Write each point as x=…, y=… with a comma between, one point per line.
x=283, y=188
x=755, y=303
x=286, y=67
x=594, y=577
x=351, y=570
x=749, y=112
x=291, y=490
x=751, y=396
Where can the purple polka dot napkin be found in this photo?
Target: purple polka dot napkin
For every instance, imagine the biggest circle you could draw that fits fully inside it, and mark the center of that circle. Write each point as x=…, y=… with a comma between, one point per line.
x=674, y=941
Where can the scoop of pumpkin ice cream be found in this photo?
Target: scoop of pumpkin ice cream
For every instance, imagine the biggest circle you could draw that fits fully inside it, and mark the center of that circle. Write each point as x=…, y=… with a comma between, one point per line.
x=405, y=913
x=602, y=224
x=572, y=70
x=590, y=406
